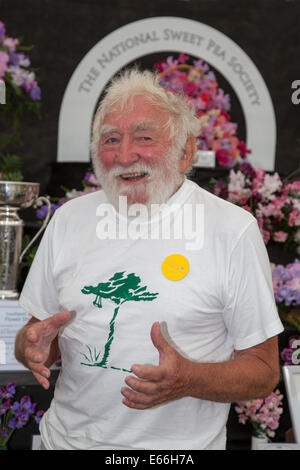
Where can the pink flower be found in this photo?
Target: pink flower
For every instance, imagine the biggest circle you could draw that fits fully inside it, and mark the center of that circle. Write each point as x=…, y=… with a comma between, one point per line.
x=182, y=58
x=294, y=283
x=10, y=43
x=190, y=88
x=247, y=208
x=271, y=210
x=294, y=219
x=4, y=58
x=265, y=234
x=159, y=66
x=292, y=188
x=280, y=236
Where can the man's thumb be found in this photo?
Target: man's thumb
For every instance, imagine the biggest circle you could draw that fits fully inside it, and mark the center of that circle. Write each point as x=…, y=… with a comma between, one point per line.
x=158, y=340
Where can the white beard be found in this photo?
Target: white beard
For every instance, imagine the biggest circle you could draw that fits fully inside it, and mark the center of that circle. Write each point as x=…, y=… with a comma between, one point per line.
x=160, y=184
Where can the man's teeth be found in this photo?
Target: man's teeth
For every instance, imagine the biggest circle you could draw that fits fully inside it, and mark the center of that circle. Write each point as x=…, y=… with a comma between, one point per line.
x=132, y=175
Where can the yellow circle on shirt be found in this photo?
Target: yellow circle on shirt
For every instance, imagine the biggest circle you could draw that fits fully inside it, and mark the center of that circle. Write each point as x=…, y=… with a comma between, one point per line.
x=175, y=267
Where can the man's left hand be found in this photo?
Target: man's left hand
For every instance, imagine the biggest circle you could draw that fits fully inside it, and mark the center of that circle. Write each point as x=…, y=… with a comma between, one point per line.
x=157, y=384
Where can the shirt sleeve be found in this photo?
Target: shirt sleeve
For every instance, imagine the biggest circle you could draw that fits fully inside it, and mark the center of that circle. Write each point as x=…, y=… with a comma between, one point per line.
x=250, y=314
x=39, y=295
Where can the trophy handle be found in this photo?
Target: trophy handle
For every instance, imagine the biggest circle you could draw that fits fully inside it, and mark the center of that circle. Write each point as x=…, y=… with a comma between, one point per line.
x=45, y=200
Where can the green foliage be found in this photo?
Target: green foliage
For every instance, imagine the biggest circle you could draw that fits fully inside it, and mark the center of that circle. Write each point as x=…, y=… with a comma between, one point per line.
x=10, y=167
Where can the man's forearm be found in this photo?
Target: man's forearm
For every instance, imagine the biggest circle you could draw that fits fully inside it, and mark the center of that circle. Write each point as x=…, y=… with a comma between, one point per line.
x=20, y=346
x=239, y=379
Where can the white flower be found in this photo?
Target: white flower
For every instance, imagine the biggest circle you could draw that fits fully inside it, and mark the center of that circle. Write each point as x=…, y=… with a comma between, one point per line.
x=236, y=187
x=73, y=193
x=272, y=183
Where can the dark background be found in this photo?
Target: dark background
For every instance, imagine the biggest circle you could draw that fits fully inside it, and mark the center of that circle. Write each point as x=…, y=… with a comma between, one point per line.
x=63, y=31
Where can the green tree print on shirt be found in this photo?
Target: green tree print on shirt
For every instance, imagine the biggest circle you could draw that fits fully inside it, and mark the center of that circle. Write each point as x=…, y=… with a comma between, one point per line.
x=120, y=288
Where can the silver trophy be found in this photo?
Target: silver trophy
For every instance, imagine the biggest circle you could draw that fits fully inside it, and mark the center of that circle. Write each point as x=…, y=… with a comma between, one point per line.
x=15, y=196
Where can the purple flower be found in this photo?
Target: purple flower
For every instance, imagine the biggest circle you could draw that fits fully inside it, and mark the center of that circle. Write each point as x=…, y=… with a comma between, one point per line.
x=11, y=388
x=42, y=211
x=2, y=30
x=285, y=294
x=3, y=432
x=27, y=405
x=38, y=416
x=35, y=93
x=220, y=189
x=8, y=391
x=19, y=76
x=248, y=170
x=286, y=356
x=90, y=178
x=13, y=423
x=18, y=58
x=6, y=405
x=200, y=65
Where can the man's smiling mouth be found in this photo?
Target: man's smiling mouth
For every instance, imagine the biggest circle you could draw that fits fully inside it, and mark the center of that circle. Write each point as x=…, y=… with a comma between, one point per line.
x=133, y=177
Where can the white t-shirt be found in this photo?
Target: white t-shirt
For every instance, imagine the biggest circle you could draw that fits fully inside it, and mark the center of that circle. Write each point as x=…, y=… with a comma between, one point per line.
x=116, y=290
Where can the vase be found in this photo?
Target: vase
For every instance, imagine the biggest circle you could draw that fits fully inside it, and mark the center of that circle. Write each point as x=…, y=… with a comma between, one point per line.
x=258, y=438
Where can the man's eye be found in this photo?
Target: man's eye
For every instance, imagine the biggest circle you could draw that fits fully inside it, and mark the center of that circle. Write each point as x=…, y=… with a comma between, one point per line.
x=144, y=138
x=111, y=140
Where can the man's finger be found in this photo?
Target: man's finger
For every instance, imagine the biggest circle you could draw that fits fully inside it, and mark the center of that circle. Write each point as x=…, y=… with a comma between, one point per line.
x=135, y=406
x=60, y=319
x=31, y=335
x=42, y=380
x=138, y=398
x=153, y=373
x=142, y=386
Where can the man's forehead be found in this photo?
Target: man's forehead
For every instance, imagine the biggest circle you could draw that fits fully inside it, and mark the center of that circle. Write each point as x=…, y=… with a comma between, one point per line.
x=138, y=125
x=136, y=108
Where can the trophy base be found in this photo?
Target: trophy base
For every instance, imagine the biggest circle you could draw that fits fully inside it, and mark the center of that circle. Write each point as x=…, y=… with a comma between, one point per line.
x=9, y=294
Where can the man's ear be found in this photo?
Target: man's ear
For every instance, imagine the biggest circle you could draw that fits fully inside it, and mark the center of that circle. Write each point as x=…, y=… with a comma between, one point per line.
x=188, y=155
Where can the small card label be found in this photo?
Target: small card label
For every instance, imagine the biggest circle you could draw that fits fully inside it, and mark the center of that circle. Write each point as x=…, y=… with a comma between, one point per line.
x=205, y=159
x=2, y=92
x=12, y=318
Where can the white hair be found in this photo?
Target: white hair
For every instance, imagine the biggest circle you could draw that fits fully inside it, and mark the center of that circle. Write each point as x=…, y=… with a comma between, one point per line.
x=182, y=122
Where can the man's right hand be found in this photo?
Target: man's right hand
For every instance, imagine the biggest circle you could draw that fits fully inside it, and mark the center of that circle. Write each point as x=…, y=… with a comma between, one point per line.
x=39, y=348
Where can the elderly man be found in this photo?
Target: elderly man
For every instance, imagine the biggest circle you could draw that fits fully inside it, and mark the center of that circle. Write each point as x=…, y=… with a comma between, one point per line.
x=156, y=336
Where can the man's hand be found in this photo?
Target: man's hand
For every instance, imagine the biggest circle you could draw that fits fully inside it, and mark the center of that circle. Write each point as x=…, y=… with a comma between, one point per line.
x=37, y=345
x=158, y=384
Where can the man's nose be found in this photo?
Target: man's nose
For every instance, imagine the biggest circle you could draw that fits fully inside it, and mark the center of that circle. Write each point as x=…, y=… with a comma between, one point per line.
x=126, y=154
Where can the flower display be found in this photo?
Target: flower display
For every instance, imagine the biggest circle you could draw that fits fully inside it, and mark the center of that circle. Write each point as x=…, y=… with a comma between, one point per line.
x=286, y=283
x=15, y=414
x=263, y=414
x=89, y=184
x=211, y=104
x=15, y=66
x=23, y=93
x=274, y=203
